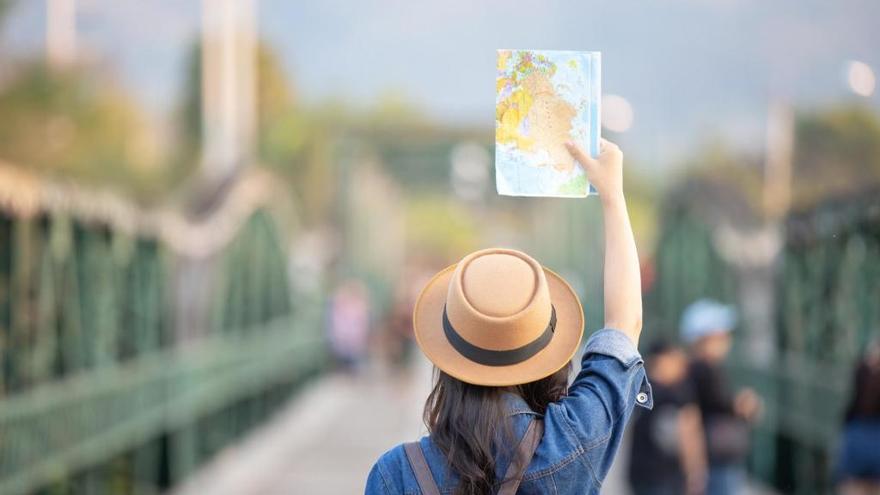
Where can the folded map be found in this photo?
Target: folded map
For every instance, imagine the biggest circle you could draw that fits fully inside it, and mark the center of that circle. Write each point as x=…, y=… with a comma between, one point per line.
x=545, y=98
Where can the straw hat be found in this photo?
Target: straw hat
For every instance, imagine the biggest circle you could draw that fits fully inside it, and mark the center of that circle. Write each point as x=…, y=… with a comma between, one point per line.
x=498, y=318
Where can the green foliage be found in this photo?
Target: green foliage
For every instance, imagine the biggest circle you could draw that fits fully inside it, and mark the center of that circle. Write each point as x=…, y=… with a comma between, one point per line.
x=291, y=141
x=281, y=131
x=189, y=136
x=837, y=152
x=718, y=185
x=641, y=200
x=438, y=227
x=67, y=123
x=4, y=8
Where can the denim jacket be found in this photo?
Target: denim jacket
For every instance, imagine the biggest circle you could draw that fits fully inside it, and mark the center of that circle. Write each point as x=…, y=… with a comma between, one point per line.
x=582, y=432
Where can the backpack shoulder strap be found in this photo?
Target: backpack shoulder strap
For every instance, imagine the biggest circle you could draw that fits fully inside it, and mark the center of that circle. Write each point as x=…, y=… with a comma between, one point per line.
x=420, y=467
x=522, y=458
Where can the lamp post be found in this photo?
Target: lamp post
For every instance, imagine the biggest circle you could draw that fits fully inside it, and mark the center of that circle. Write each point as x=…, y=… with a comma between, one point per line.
x=228, y=85
x=777, y=164
x=60, y=33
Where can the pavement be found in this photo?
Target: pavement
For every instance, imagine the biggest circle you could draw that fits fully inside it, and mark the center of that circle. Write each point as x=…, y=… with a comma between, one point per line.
x=325, y=440
x=327, y=437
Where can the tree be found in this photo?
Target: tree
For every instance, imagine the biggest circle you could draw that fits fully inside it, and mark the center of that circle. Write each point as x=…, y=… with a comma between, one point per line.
x=66, y=122
x=291, y=141
x=837, y=152
x=279, y=133
x=4, y=8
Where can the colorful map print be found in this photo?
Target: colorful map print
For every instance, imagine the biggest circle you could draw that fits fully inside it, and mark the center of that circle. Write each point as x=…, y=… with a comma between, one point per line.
x=543, y=99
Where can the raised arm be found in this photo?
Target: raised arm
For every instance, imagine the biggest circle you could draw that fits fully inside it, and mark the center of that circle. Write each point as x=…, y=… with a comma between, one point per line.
x=623, y=291
x=611, y=381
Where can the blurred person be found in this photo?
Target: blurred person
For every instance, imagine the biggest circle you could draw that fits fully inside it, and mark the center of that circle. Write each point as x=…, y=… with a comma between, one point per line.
x=349, y=324
x=706, y=326
x=667, y=456
x=398, y=340
x=501, y=331
x=398, y=337
x=858, y=469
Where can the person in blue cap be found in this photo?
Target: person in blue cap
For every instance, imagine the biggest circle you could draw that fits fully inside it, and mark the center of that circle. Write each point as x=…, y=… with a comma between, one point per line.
x=706, y=326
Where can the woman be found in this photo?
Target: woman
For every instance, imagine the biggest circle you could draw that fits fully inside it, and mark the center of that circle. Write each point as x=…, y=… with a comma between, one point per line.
x=501, y=331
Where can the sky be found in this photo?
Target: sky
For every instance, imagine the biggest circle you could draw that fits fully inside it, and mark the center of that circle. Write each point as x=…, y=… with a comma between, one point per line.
x=694, y=70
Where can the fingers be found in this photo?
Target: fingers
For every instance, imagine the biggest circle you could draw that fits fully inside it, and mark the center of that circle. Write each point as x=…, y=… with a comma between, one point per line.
x=606, y=146
x=580, y=155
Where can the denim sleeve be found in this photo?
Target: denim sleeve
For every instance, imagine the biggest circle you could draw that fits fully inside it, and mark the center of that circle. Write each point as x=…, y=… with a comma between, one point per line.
x=376, y=484
x=601, y=399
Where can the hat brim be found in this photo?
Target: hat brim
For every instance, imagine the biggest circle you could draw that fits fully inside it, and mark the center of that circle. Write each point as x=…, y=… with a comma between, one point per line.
x=428, y=329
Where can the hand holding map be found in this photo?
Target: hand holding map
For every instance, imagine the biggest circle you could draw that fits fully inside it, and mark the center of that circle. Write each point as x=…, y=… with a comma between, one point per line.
x=545, y=99
x=605, y=172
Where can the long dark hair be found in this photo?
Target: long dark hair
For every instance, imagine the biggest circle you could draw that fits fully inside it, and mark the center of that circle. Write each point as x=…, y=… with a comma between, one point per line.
x=469, y=423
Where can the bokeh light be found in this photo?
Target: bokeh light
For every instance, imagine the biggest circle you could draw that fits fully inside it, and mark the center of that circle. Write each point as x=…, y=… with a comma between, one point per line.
x=617, y=113
x=860, y=78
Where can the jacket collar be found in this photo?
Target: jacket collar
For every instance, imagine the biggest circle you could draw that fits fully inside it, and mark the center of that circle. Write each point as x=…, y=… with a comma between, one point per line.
x=514, y=404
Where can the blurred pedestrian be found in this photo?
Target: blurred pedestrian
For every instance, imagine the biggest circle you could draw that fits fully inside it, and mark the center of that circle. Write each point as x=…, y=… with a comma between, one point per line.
x=858, y=471
x=349, y=324
x=706, y=326
x=397, y=339
x=667, y=455
x=501, y=330
x=398, y=342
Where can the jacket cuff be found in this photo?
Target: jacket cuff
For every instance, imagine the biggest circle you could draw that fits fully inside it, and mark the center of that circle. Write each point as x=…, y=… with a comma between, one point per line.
x=614, y=343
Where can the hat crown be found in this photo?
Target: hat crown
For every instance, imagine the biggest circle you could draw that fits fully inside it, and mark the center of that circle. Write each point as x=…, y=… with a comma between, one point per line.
x=499, y=284
x=498, y=299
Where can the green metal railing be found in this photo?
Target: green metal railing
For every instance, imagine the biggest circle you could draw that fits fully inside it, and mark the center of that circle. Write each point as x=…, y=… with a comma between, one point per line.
x=827, y=284
x=828, y=291
x=136, y=343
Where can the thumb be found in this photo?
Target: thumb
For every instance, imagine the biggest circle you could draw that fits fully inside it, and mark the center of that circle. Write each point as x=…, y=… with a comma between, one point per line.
x=586, y=161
